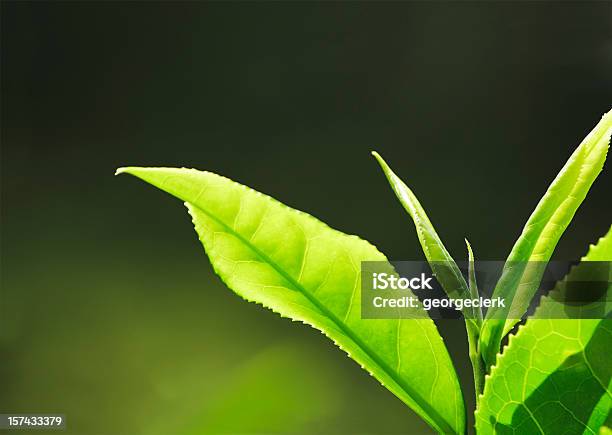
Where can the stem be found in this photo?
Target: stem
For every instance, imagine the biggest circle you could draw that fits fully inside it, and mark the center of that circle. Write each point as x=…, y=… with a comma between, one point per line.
x=478, y=367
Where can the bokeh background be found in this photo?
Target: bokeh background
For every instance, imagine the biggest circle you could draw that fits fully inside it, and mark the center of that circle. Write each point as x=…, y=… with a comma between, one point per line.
x=109, y=310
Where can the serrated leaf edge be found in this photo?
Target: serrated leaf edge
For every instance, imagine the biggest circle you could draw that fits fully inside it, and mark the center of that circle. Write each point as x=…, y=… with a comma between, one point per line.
x=246, y=188
x=499, y=357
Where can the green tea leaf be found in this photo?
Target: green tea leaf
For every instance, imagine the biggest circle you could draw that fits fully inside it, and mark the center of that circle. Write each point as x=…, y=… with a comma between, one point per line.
x=442, y=264
x=300, y=268
x=554, y=376
x=540, y=235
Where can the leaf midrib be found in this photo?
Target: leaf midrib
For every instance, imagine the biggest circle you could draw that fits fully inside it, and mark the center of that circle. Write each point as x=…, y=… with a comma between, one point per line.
x=435, y=416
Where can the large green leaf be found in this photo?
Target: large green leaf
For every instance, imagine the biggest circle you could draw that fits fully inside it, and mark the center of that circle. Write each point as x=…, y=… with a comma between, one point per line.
x=554, y=376
x=297, y=266
x=540, y=235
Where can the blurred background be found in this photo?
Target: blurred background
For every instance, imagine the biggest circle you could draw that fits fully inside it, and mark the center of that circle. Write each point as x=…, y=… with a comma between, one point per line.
x=109, y=310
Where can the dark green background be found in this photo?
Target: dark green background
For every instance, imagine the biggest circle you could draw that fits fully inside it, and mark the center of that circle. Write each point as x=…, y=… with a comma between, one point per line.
x=110, y=312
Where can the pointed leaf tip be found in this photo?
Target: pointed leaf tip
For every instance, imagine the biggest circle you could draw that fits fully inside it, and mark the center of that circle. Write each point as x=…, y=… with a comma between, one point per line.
x=469, y=248
x=380, y=160
x=132, y=170
x=148, y=174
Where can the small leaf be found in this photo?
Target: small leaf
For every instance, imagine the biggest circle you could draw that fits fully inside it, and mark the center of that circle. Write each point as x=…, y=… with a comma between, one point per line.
x=541, y=234
x=442, y=264
x=297, y=266
x=554, y=376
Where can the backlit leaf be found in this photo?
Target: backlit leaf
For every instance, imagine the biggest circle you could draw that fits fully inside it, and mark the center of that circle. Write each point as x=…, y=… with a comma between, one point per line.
x=441, y=262
x=554, y=376
x=540, y=235
x=299, y=267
